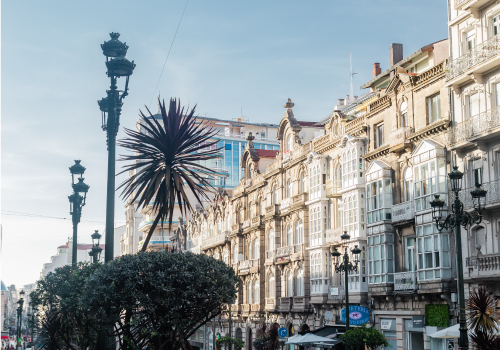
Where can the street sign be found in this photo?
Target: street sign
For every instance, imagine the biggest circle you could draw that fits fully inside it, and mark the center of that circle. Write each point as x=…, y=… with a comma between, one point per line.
x=358, y=315
x=282, y=332
x=418, y=321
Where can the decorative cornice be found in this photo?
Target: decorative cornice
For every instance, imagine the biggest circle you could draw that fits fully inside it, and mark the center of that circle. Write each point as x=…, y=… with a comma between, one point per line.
x=376, y=153
x=430, y=76
x=431, y=129
x=379, y=105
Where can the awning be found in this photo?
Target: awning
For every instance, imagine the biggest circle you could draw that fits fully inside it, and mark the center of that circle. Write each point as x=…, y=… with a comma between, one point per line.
x=309, y=339
x=329, y=331
x=5, y=337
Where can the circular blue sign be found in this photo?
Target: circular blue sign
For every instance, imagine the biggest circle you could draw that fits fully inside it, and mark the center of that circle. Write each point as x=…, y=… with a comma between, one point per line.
x=282, y=332
x=358, y=315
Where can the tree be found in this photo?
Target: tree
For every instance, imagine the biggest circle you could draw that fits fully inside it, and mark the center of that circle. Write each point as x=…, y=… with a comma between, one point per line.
x=157, y=300
x=267, y=337
x=361, y=338
x=227, y=343
x=165, y=162
x=481, y=321
x=65, y=319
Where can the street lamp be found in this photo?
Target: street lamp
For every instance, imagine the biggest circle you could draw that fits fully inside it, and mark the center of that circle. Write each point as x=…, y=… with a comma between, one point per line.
x=117, y=66
x=76, y=202
x=20, y=303
x=32, y=315
x=346, y=266
x=456, y=218
x=95, y=253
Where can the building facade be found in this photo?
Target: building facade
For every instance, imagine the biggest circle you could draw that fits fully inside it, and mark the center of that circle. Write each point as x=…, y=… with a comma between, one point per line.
x=369, y=169
x=231, y=140
x=473, y=77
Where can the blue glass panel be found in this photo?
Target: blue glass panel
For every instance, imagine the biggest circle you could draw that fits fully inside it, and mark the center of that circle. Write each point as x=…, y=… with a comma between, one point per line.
x=228, y=146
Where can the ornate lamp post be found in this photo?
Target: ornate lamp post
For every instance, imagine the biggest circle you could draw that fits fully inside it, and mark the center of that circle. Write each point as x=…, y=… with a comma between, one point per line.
x=95, y=254
x=346, y=266
x=111, y=106
x=20, y=303
x=76, y=202
x=458, y=217
x=32, y=322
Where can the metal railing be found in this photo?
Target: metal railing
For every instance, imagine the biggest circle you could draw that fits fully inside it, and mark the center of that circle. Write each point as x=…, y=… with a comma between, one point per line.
x=477, y=125
x=405, y=280
x=484, y=262
x=336, y=293
x=403, y=211
x=478, y=54
x=400, y=136
x=459, y=3
x=492, y=194
x=284, y=251
x=245, y=264
x=215, y=240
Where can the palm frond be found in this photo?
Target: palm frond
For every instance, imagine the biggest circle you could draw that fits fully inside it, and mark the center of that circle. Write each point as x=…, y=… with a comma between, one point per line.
x=165, y=162
x=481, y=312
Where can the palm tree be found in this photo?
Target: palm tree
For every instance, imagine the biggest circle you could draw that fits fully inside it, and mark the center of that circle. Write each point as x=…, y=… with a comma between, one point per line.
x=481, y=321
x=165, y=162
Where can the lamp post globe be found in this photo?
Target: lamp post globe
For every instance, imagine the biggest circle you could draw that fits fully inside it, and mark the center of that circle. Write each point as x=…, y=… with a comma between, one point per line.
x=76, y=201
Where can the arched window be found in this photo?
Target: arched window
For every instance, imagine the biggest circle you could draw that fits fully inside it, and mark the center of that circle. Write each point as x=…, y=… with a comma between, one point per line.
x=256, y=249
x=242, y=215
x=228, y=222
x=408, y=185
x=338, y=176
x=289, y=235
x=275, y=195
x=289, y=188
x=249, y=287
x=250, y=250
x=217, y=256
x=210, y=230
x=250, y=210
x=261, y=207
x=250, y=171
x=299, y=283
x=289, y=143
x=270, y=244
x=404, y=114
x=226, y=257
x=271, y=286
x=480, y=241
x=299, y=232
x=256, y=292
x=235, y=254
x=219, y=227
x=289, y=285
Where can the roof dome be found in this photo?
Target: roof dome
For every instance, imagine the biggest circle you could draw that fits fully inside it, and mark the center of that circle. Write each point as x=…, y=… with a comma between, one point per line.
x=2, y=286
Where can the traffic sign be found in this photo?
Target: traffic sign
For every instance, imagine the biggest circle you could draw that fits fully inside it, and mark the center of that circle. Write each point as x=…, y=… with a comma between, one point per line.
x=282, y=332
x=358, y=315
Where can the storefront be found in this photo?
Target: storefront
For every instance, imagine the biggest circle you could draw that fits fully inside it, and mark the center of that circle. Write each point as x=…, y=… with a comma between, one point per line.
x=388, y=328
x=414, y=331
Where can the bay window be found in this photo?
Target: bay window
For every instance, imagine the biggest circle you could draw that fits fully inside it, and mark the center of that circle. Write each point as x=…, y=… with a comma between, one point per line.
x=319, y=272
x=429, y=179
x=379, y=200
x=314, y=182
x=315, y=225
x=433, y=252
x=381, y=258
x=349, y=169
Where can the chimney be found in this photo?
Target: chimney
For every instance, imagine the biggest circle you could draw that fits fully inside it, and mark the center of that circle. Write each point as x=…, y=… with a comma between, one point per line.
x=239, y=119
x=395, y=53
x=340, y=102
x=354, y=98
x=376, y=69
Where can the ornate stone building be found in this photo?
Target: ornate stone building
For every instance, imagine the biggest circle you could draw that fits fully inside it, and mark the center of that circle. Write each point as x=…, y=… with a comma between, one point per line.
x=368, y=169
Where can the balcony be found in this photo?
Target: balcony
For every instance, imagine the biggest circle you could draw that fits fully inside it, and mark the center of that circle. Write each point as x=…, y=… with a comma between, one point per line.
x=246, y=224
x=285, y=204
x=214, y=241
x=336, y=293
x=398, y=139
x=244, y=267
x=236, y=228
x=333, y=235
x=481, y=125
x=492, y=196
x=158, y=241
x=299, y=199
x=271, y=304
x=474, y=63
x=405, y=281
x=256, y=307
x=403, y=212
x=256, y=221
x=245, y=308
x=286, y=304
x=272, y=210
x=490, y=262
x=270, y=254
x=284, y=251
x=287, y=156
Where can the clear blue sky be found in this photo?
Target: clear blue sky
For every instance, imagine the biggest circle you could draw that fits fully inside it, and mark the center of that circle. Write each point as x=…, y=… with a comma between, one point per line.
x=227, y=55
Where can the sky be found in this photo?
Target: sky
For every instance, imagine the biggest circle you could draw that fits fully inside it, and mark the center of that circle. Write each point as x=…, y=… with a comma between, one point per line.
x=228, y=58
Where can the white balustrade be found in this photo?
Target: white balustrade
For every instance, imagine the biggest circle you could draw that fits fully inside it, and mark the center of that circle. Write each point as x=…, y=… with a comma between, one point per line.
x=403, y=211
x=405, y=280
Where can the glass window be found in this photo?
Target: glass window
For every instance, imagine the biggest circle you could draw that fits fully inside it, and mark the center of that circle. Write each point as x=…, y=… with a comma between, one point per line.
x=381, y=258
x=470, y=39
x=256, y=249
x=319, y=272
x=433, y=253
x=270, y=243
x=275, y=195
x=349, y=172
x=261, y=208
x=227, y=146
x=226, y=257
x=351, y=215
x=473, y=105
x=408, y=184
x=256, y=289
x=289, y=285
x=299, y=283
x=235, y=254
x=496, y=24
x=379, y=199
x=379, y=135
x=299, y=232
x=289, y=236
x=271, y=286
x=428, y=181
x=404, y=114
x=289, y=189
x=249, y=292
x=249, y=250
x=410, y=253
x=314, y=182
x=315, y=226
x=497, y=95
x=250, y=210
x=289, y=143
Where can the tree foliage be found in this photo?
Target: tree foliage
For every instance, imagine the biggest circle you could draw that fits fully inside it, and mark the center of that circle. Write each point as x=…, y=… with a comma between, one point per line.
x=157, y=300
x=481, y=321
x=227, y=343
x=165, y=162
x=359, y=338
x=64, y=317
x=267, y=337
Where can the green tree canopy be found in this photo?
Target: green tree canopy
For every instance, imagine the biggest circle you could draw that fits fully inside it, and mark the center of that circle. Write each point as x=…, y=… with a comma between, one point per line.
x=158, y=300
x=358, y=337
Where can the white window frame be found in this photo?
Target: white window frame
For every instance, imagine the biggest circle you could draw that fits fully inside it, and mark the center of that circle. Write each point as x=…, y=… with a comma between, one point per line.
x=379, y=204
x=314, y=182
x=271, y=240
x=433, y=253
x=349, y=171
x=408, y=184
x=424, y=189
x=379, y=135
x=410, y=257
x=315, y=224
x=299, y=232
x=381, y=255
x=299, y=283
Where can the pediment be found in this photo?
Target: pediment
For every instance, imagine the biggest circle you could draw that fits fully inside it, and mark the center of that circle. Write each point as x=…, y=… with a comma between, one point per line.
x=377, y=165
x=426, y=145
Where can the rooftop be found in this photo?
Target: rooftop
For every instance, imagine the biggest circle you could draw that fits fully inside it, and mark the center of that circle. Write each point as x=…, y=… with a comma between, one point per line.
x=266, y=153
x=237, y=123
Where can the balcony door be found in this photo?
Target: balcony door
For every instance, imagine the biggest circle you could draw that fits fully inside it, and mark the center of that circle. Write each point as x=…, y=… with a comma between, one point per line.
x=473, y=105
x=410, y=253
x=470, y=40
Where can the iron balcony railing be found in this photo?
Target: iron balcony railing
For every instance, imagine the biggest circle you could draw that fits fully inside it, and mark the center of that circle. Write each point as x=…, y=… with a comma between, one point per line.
x=478, y=125
x=403, y=211
x=405, y=280
x=490, y=262
x=477, y=55
x=492, y=194
x=284, y=251
x=215, y=240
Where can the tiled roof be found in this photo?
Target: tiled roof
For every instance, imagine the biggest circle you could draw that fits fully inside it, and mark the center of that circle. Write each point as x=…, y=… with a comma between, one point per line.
x=266, y=153
x=63, y=246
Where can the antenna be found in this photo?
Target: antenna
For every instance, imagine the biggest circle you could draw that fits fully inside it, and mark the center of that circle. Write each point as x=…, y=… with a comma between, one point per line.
x=352, y=75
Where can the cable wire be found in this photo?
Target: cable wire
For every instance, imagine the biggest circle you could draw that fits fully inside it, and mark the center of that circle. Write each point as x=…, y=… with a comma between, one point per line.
x=164, y=64
x=16, y=213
